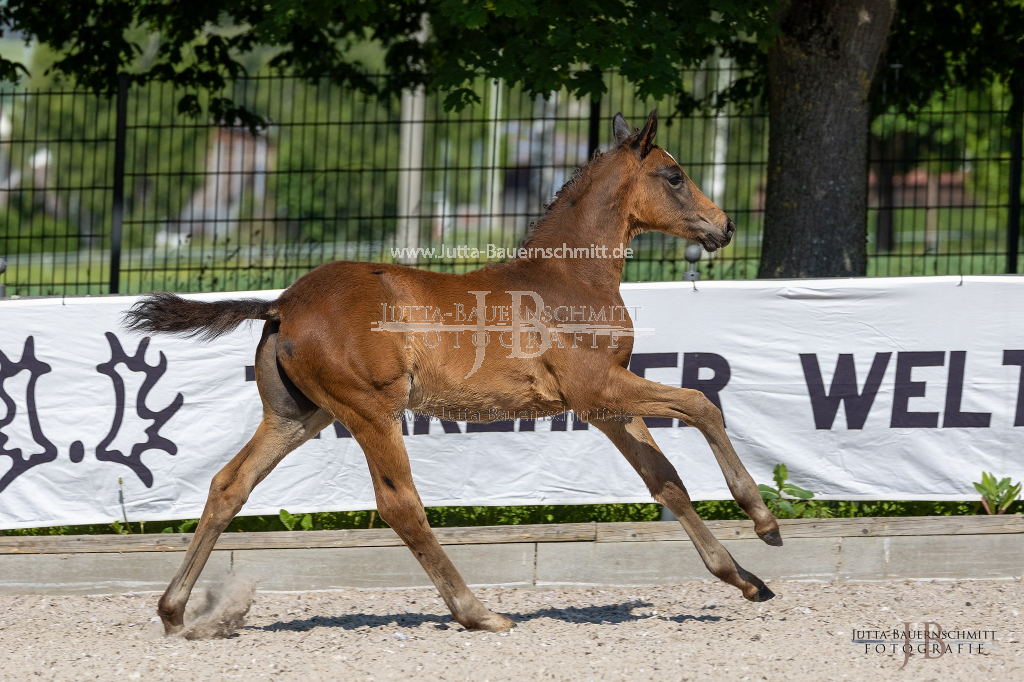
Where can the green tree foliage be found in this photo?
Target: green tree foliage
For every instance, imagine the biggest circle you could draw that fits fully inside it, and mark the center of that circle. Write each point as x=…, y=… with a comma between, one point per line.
x=447, y=45
x=199, y=46
x=942, y=45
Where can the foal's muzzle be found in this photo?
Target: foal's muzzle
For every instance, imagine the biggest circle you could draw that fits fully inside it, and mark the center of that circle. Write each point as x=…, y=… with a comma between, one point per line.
x=716, y=238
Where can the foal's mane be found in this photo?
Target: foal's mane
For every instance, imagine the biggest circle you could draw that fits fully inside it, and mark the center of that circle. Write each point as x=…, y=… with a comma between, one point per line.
x=569, y=194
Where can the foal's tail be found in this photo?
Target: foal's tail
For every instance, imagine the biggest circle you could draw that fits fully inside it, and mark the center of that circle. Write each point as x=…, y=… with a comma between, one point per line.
x=169, y=313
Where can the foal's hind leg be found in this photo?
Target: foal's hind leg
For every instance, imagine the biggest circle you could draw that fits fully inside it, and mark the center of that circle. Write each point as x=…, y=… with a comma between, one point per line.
x=289, y=419
x=635, y=442
x=625, y=391
x=399, y=505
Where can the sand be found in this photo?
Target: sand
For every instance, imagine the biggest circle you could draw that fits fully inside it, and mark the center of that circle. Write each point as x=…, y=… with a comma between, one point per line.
x=695, y=631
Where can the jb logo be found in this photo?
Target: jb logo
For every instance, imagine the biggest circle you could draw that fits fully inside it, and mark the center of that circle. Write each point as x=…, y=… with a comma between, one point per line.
x=932, y=642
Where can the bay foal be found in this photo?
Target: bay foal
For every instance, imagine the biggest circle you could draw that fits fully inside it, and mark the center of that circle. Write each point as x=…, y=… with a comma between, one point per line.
x=320, y=359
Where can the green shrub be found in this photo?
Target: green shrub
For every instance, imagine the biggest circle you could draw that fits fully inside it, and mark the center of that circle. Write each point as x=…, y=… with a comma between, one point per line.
x=997, y=496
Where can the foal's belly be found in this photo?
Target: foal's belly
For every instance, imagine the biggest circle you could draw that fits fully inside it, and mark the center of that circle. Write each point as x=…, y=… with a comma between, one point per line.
x=522, y=395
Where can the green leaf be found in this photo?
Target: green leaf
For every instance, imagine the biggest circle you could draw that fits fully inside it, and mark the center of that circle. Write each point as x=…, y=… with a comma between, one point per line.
x=767, y=492
x=797, y=491
x=168, y=529
x=1009, y=496
x=785, y=506
x=287, y=519
x=997, y=494
x=307, y=522
x=780, y=474
x=188, y=525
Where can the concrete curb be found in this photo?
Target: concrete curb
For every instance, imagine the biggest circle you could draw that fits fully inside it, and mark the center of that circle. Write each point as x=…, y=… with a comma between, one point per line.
x=657, y=553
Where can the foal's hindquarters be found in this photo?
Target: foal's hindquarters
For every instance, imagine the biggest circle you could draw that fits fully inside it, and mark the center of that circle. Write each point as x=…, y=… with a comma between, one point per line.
x=364, y=394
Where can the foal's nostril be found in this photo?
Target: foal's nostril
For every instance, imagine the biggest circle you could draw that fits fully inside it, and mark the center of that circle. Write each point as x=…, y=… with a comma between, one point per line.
x=730, y=228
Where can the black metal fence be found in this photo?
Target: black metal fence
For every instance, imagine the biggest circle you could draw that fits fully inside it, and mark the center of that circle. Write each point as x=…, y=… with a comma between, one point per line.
x=125, y=195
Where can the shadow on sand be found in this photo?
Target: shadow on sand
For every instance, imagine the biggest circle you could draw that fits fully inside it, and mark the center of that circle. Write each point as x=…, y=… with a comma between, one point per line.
x=596, y=615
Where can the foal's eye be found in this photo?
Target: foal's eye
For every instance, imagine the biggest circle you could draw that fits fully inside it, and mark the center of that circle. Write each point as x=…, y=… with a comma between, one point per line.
x=675, y=180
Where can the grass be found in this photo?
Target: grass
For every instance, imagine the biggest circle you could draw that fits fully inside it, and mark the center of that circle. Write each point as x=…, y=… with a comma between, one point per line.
x=444, y=517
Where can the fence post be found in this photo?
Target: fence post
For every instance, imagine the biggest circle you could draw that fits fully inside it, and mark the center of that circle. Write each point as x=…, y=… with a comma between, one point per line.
x=117, y=212
x=594, y=133
x=410, y=173
x=1016, y=152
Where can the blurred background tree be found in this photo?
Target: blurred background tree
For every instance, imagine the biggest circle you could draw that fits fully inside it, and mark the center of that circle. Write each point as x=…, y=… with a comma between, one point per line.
x=815, y=60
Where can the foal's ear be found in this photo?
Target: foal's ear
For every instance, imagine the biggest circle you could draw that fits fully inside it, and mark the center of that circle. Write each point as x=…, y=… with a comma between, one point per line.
x=645, y=138
x=620, y=129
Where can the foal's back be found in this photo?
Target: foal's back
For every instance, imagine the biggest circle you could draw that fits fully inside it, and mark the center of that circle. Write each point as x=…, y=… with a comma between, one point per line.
x=381, y=327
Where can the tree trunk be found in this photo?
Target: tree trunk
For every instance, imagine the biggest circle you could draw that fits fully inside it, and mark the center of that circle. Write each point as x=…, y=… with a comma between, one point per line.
x=820, y=70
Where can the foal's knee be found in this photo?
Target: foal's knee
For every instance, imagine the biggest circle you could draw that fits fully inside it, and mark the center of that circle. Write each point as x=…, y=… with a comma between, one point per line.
x=700, y=411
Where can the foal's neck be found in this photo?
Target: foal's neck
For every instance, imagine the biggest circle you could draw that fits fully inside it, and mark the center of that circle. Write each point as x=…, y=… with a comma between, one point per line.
x=590, y=217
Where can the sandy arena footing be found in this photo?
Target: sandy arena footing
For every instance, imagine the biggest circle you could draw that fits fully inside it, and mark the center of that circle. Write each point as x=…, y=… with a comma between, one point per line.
x=694, y=631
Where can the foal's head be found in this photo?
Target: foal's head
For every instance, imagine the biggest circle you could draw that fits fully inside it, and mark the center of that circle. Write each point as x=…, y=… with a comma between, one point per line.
x=663, y=197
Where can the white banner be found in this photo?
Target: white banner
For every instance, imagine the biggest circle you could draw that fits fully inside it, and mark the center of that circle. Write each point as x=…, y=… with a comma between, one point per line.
x=902, y=388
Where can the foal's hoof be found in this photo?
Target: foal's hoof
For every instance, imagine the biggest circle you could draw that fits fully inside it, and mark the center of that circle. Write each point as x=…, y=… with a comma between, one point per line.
x=170, y=629
x=763, y=594
x=492, y=622
x=772, y=537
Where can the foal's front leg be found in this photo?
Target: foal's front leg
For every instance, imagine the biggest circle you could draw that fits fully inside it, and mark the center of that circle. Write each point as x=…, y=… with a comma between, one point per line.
x=635, y=442
x=626, y=391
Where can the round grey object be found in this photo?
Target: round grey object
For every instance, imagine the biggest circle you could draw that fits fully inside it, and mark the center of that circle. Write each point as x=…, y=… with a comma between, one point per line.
x=693, y=253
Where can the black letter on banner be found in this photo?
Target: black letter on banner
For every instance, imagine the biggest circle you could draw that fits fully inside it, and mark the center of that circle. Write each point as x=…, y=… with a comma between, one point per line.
x=639, y=364
x=420, y=425
x=907, y=389
x=954, y=392
x=843, y=389
x=450, y=426
x=692, y=362
x=1016, y=357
